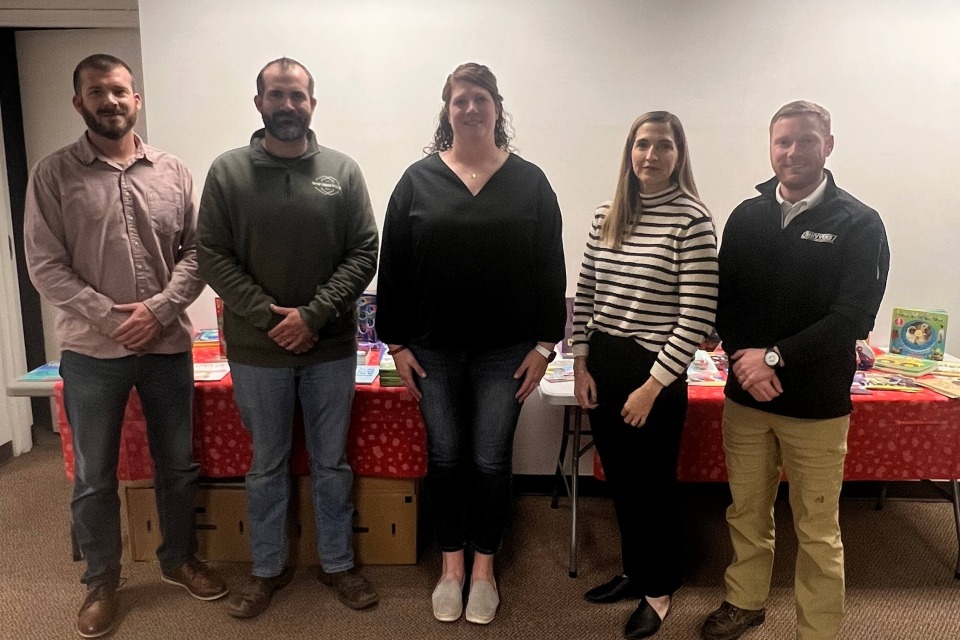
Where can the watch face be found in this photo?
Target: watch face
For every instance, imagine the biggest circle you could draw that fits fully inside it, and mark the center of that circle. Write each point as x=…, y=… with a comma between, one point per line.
x=771, y=358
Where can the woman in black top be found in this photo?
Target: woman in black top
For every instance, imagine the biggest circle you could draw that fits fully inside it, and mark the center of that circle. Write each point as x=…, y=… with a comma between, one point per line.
x=470, y=303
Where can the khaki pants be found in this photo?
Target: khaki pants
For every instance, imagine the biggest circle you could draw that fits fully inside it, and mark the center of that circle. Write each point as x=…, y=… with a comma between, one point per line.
x=758, y=445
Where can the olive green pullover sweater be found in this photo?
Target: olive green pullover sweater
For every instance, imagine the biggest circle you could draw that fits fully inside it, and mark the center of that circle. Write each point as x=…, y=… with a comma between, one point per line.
x=294, y=232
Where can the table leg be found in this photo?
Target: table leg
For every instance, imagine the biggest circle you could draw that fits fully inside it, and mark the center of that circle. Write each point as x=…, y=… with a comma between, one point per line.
x=560, y=479
x=955, y=485
x=574, y=483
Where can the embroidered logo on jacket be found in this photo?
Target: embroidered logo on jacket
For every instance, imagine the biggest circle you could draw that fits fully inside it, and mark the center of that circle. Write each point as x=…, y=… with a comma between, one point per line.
x=818, y=237
x=327, y=185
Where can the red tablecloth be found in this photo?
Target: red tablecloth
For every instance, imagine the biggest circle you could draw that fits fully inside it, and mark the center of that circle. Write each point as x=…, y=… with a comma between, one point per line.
x=893, y=436
x=386, y=436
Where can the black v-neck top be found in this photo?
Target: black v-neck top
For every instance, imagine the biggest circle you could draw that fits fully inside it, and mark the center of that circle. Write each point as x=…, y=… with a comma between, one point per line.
x=458, y=270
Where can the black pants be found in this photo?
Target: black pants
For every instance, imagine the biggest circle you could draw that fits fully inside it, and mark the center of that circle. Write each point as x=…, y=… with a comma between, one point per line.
x=640, y=463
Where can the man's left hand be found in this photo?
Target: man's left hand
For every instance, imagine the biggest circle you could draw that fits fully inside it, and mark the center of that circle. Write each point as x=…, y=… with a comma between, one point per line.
x=749, y=367
x=292, y=333
x=137, y=331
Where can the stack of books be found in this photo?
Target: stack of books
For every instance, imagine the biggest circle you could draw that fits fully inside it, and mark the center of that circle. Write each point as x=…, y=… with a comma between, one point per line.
x=904, y=365
x=388, y=372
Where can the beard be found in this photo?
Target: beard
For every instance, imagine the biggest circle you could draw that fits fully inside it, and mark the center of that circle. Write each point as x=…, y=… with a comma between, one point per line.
x=109, y=129
x=286, y=126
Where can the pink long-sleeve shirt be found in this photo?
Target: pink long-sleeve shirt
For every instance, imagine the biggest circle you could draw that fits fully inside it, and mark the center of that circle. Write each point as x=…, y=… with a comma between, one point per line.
x=98, y=234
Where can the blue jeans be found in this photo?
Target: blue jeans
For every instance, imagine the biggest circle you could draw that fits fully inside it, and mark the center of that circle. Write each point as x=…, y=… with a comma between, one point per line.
x=267, y=398
x=95, y=393
x=470, y=414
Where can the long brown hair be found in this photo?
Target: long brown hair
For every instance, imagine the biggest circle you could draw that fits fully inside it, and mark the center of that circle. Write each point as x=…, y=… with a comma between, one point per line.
x=626, y=207
x=481, y=76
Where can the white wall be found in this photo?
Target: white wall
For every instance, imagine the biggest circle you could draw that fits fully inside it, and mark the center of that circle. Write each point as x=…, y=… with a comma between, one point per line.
x=574, y=75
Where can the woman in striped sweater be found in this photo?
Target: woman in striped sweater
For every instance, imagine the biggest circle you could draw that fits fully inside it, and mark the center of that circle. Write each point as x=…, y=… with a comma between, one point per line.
x=645, y=300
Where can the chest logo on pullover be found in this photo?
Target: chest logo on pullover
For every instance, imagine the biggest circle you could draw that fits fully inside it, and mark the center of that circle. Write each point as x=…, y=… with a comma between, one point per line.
x=818, y=237
x=327, y=185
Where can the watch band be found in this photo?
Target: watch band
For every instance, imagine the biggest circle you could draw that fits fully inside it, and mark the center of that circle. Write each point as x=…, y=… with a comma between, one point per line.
x=546, y=353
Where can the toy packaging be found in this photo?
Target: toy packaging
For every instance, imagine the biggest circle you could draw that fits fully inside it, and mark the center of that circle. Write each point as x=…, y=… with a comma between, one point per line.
x=921, y=333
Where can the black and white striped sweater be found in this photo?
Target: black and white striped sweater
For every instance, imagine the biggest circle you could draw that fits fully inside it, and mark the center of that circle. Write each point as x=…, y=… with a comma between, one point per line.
x=659, y=287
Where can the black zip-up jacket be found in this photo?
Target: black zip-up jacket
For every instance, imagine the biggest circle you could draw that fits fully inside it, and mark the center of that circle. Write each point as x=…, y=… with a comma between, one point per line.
x=812, y=290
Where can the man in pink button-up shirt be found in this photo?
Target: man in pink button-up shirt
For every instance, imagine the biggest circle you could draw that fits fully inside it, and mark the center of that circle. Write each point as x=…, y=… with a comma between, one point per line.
x=110, y=240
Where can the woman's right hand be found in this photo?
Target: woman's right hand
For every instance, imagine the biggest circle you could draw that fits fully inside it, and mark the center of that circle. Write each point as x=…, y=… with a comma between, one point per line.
x=407, y=368
x=584, y=387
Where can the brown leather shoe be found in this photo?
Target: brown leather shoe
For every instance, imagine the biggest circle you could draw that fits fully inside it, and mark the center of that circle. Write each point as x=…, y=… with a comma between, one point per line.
x=730, y=622
x=98, y=611
x=255, y=597
x=352, y=588
x=199, y=580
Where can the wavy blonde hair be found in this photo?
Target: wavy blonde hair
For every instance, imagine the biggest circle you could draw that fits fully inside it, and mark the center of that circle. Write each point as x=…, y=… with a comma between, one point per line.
x=626, y=207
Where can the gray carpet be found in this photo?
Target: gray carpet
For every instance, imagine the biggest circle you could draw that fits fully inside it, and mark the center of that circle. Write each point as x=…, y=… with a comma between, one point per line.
x=900, y=564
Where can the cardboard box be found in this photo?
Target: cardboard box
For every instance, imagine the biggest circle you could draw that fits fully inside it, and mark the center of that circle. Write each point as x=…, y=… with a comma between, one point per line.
x=920, y=333
x=222, y=532
x=384, y=522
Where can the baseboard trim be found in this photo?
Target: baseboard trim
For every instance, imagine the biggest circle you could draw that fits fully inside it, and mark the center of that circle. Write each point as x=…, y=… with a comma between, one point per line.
x=588, y=486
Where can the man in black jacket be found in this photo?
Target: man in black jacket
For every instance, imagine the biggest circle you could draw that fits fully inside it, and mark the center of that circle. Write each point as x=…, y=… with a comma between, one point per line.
x=803, y=268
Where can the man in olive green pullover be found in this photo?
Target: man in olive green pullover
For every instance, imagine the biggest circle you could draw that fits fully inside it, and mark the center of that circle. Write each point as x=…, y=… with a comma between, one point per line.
x=287, y=239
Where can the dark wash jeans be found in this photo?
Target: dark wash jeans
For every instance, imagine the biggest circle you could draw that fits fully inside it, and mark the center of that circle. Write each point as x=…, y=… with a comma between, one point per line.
x=95, y=393
x=640, y=463
x=470, y=414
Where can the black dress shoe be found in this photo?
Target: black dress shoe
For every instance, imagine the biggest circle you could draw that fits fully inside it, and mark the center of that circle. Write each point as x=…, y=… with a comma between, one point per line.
x=642, y=623
x=619, y=588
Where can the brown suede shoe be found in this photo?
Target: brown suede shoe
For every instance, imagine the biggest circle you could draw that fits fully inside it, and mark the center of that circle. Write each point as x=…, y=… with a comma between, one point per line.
x=255, y=597
x=730, y=622
x=352, y=588
x=98, y=611
x=199, y=580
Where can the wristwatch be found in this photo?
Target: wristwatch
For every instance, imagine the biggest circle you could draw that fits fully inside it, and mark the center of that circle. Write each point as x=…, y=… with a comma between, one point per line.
x=771, y=358
x=549, y=354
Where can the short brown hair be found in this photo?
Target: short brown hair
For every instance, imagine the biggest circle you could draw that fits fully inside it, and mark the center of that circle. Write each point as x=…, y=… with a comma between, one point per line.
x=102, y=62
x=284, y=63
x=803, y=107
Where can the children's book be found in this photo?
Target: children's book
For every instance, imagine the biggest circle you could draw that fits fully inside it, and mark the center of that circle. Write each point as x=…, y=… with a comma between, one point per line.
x=559, y=371
x=210, y=371
x=49, y=372
x=207, y=338
x=948, y=369
x=949, y=387
x=878, y=381
x=921, y=333
x=904, y=365
x=366, y=374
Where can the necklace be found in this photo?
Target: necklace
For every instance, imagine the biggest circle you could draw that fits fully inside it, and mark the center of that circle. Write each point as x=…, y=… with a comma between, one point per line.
x=473, y=176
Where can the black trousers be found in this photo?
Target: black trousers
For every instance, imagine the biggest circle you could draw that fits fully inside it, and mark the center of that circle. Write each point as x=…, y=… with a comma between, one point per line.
x=640, y=463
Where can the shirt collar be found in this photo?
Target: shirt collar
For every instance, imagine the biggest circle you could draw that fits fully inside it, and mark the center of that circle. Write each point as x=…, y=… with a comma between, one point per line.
x=812, y=200
x=87, y=152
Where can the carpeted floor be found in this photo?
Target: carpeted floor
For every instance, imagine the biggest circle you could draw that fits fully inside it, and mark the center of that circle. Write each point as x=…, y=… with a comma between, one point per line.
x=900, y=584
